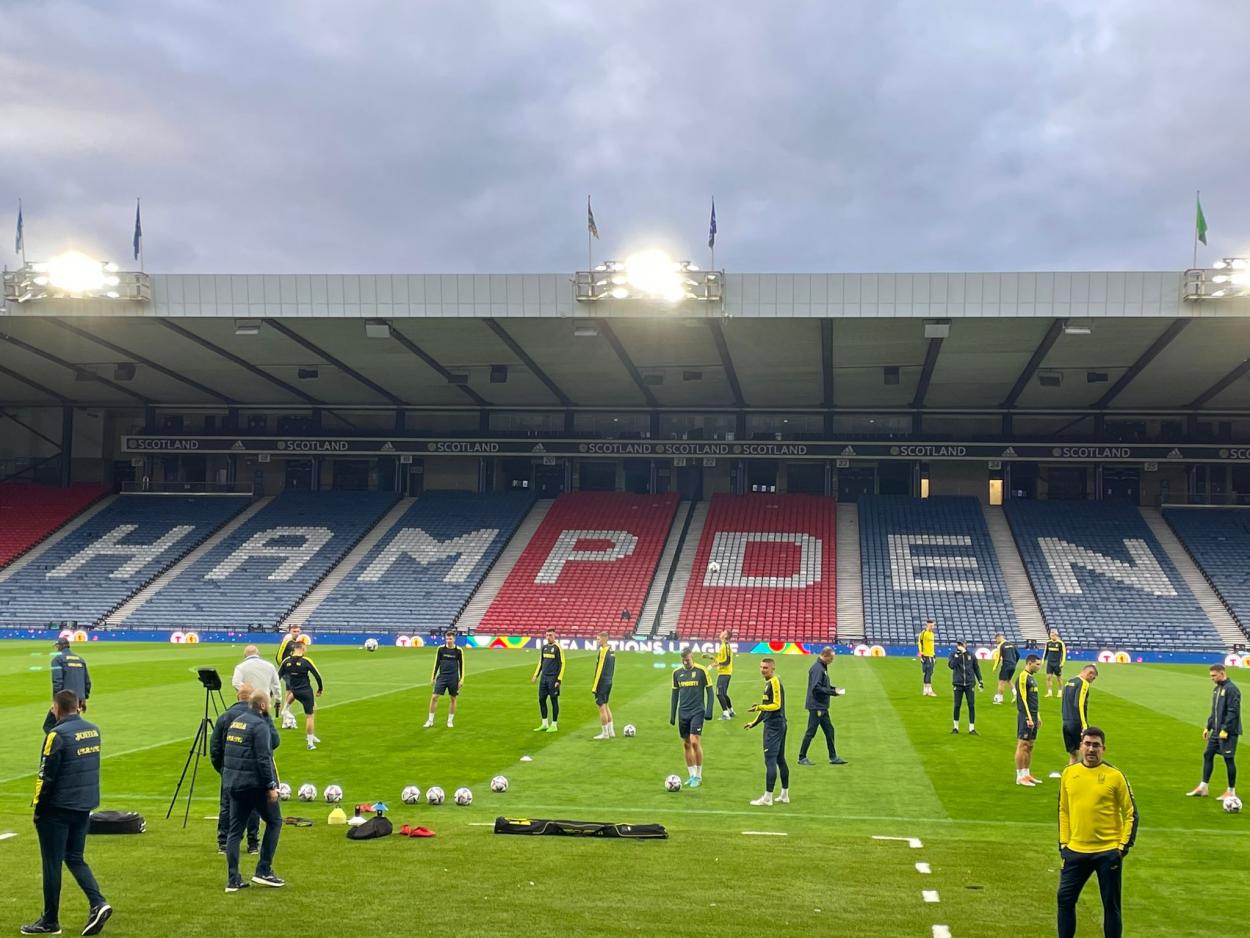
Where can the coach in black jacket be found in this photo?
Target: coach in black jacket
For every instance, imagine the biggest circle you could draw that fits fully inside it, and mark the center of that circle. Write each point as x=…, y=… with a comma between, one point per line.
x=819, y=691
x=69, y=672
x=250, y=777
x=217, y=755
x=965, y=672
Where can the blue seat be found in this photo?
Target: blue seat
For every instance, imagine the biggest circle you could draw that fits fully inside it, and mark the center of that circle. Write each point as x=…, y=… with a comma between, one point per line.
x=1218, y=539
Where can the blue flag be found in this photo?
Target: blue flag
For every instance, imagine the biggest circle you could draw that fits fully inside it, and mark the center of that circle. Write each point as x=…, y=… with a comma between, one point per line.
x=711, y=228
x=20, y=243
x=590, y=220
x=138, y=242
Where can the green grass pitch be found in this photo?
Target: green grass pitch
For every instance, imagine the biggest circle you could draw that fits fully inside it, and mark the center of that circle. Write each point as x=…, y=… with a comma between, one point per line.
x=816, y=868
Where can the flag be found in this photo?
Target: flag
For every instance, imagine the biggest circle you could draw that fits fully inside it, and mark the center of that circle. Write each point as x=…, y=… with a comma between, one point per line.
x=1201, y=222
x=138, y=240
x=20, y=243
x=590, y=220
x=711, y=228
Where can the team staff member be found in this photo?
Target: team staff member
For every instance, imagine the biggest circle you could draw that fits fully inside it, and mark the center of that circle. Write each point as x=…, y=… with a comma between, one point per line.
x=601, y=686
x=217, y=755
x=924, y=648
x=1056, y=658
x=1006, y=657
x=690, y=705
x=771, y=711
x=819, y=691
x=1223, y=729
x=550, y=669
x=965, y=672
x=298, y=671
x=249, y=775
x=723, y=665
x=69, y=672
x=1028, y=721
x=446, y=678
x=258, y=673
x=67, y=790
x=1097, y=827
x=1076, y=711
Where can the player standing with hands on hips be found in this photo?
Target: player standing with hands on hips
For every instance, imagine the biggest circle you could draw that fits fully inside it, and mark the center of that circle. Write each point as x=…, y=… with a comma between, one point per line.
x=447, y=678
x=1223, y=729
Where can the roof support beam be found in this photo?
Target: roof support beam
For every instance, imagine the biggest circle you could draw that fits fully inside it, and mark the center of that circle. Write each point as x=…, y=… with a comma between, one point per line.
x=826, y=363
x=25, y=426
x=494, y=326
x=31, y=382
x=1175, y=328
x=76, y=369
x=337, y=363
x=606, y=330
x=722, y=349
x=1222, y=385
x=926, y=372
x=241, y=362
x=443, y=372
x=1035, y=361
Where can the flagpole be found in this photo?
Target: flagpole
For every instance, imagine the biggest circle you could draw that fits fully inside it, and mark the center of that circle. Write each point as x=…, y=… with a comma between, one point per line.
x=137, y=203
x=1197, y=201
x=20, y=219
x=590, y=261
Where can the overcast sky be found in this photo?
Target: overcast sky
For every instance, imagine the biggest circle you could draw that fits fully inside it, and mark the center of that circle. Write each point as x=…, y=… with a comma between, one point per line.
x=416, y=137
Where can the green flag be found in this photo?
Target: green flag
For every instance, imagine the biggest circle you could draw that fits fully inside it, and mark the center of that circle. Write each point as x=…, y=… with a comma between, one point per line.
x=1201, y=222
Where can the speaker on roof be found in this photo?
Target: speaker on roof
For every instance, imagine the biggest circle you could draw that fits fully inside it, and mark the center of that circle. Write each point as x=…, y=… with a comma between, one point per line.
x=498, y=374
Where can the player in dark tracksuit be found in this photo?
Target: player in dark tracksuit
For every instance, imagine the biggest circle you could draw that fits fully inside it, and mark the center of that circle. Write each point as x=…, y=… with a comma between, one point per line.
x=298, y=671
x=1222, y=731
x=689, y=706
x=550, y=674
x=819, y=692
x=965, y=673
x=771, y=711
x=69, y=672
x=1006, y=657
x=446, y=678
x=217, y=756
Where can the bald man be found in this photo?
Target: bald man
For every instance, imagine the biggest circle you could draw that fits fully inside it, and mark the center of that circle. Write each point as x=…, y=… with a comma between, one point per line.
x=257, y=672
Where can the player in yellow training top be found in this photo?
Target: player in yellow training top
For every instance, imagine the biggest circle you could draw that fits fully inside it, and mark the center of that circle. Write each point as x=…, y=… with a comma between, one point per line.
x=924, y=648
x=723, y=665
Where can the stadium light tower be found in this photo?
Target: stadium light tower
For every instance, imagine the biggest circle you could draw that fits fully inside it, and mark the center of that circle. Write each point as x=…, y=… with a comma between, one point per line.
x=649, y=276
x=74, y=275
x=1225, y=279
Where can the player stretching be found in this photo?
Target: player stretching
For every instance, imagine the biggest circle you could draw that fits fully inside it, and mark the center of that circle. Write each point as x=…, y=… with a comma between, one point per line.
x=924, y=648
x=1028, y=721
x=771, y=711
x=551, y=669
x=446, y=678
x=1006, y=657
x=692, y=702
x=297, y=671
x=1056, y=658
x=601, y=686
x=723, y=665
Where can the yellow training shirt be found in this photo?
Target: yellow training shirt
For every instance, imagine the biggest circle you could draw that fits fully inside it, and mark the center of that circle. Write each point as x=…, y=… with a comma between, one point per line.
x=924, y=644
x=1096, y=809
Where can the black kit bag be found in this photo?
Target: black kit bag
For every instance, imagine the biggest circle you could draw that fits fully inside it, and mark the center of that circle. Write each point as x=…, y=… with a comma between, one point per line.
x=116, y=822
x=557, y=828
x=374, y=827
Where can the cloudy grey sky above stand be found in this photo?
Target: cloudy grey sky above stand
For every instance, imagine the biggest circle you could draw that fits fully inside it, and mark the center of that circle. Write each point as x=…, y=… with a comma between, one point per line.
x=419, y=137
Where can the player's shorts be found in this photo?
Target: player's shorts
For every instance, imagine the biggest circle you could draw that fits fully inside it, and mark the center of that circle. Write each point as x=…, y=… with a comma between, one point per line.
x=1223, y=747
x=690, y=726
x=1006, y=672
x=306, y=699
x=1023, y=730
x=444, y=686
x=774, y=740
x=602, y=694
x=547, y=687
x=1071, y=737
x=1055, y=669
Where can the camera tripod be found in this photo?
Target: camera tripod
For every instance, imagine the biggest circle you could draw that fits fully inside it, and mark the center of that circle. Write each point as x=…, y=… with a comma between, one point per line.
x=199, y=744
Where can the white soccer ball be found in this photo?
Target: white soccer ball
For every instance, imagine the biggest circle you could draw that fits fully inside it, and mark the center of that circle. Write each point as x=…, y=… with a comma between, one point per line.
x=672, y=783
x=284, y=792
x=630, y=730
x=1232, y=804
x=333, y=794
x=307, y=791
x=411, y=795
x=371, y=644
x=463, y=796
x=434, y=796
x=288, y=720
x=713, y=567
x=499, y=783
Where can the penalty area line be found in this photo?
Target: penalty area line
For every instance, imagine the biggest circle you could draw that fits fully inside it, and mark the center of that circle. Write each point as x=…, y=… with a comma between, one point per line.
x=913, y=842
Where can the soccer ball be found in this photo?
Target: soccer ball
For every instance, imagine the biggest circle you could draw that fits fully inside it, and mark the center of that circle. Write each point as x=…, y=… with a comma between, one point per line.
x=288, y=720
x=333, y=794
x=1232, y=804
x=463, y=796
x=371, y=644
x=434, y=796
x=307, y=791
x=672, y=783
x=411, y=795
x=284, y=792
x=630, y=730
x=499, y=784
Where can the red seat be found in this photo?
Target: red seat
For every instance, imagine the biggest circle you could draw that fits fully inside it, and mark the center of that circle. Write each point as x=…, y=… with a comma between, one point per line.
x=29, y=513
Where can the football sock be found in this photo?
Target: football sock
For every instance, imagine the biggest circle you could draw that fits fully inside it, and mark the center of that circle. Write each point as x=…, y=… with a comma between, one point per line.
x=698, y=770
x=971, y=727
x=611, y=729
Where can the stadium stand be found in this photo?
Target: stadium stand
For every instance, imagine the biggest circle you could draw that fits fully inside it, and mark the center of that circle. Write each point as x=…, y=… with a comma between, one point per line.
x=30, y=512
x=1218, y=539
x=1102, y=579
x=422, y=573
x=766, y=567
x=930, y=557
x=114, y=554
x=590, y=563
x=261, y=570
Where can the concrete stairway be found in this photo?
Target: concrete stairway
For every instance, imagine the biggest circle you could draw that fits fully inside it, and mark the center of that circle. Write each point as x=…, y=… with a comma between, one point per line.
x=492, y=583
x=1206, y=595
x=1032, y=625
x=850, y=589
x=647, y=619
x=671, y=610
x=56, y=537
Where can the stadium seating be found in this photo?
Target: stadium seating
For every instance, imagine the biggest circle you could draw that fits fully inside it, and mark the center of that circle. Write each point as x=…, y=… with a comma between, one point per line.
x=96, y=567
x=932, y=557
x=1102, y=579
x=421, y=574
x=593, y=557
x=258, y=573
x=1218, y=539
x=29, y=513
x=766, y=568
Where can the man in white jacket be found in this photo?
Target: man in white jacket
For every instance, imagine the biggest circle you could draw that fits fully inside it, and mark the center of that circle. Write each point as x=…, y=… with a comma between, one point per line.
x=258, y=672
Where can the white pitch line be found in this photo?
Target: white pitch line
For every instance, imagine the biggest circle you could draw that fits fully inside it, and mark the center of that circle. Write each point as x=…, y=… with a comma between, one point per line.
x=765, y=834
x=930, y=895
x=7, y=836
x=913, y=842
x=923, y=868
x=481, y=823
x=941, y=931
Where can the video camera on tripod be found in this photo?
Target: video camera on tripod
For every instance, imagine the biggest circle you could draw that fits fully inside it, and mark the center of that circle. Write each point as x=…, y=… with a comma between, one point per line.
x=211, y=681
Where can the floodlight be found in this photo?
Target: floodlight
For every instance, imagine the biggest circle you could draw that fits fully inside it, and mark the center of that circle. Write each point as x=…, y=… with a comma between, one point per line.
x=75, y=273
x=652, y=272
x=1232, y=281
x=620, y=293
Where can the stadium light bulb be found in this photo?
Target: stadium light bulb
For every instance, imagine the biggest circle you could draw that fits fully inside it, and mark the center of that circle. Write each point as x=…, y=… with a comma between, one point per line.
x=1219, y=278
x=620, y=293
x=1219, y=265
x=75, y=272
x=653, y=273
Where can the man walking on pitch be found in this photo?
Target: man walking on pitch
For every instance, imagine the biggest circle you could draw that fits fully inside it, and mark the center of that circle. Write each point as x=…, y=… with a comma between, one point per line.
x=446, y=678
x=69, y=672
x=1056, y=658
x=819, y=691
x=771, y=711
x=298, y=671
x=965, y=673
x=1223, y=729
x=690, y=705
x=1075, y=712
x=924, y=648
x=549, y=673
x=217, y=756
x=255, y=671
x=1097, y=827
x=248, y=774
x=601, y=686
x=67, y=790
x=723, y=665
x=1028, y=721
x=1006, y=657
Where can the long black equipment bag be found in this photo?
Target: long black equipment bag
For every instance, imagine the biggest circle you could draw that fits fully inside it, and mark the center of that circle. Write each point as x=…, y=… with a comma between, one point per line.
x=117, y=822
x=555, y=828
